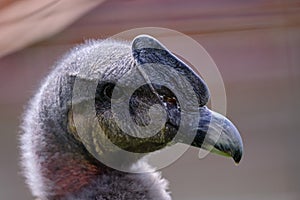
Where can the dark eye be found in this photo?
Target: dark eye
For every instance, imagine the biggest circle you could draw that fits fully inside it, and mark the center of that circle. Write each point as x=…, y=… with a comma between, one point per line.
x=167, y=97
x=170, y=101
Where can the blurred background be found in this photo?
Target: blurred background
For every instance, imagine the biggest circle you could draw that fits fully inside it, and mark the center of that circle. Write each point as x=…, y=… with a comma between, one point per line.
x=255, y=44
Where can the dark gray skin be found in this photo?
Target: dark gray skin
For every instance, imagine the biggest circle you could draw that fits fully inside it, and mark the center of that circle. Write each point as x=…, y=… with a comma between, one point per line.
x=60, y=161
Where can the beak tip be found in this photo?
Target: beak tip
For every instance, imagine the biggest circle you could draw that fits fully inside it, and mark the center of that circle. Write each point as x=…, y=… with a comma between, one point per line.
x=237, y=159
x=221, y=134
x=237, y=156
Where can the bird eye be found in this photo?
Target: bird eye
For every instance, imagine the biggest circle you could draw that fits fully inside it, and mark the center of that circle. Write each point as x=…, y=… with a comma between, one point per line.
x=167, y=97
x=170, y=101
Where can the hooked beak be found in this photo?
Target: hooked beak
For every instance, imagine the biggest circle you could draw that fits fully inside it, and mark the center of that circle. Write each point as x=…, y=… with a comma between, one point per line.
x=215, y=133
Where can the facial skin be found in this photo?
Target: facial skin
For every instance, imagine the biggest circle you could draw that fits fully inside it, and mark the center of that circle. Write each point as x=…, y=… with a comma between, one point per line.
x=196, y=125
x=228, y=143
x=106, y=105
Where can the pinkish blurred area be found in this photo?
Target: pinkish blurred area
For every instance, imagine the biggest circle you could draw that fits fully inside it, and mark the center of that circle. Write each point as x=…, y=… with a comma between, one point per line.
x=255, y=45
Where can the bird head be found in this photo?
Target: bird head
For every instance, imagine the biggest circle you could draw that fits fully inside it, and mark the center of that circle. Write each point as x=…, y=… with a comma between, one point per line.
x=146, y=101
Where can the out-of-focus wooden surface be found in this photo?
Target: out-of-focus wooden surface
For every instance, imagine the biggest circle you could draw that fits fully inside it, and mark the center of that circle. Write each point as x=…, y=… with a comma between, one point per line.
x=26, y=22
x=256, y=47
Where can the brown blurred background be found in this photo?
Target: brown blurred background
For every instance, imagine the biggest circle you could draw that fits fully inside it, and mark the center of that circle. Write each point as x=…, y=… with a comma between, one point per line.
x=255, y=44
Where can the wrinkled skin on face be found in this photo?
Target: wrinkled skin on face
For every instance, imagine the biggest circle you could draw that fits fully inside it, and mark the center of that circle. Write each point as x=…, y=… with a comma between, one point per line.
x=105, y=105
x=139, y=105
x=212, y=131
